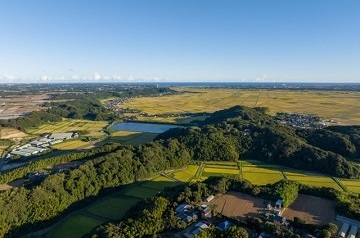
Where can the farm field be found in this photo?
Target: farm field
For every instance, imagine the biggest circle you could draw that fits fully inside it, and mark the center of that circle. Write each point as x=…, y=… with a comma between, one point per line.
x=111, y=207
x=72, y=145
x=74, y=226
x=93, y=128
x=260, y=174
x=187, y=174
x=11, y=133
x=238, y=205
x=312, y=179
x=351, y=185
x=130, y=137
x=2, y=148
x=214, y=168
x=311, y=209
x=343, y=107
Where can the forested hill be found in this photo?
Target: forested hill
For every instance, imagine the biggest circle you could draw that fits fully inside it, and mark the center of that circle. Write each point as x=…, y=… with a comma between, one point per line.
x=251, y=133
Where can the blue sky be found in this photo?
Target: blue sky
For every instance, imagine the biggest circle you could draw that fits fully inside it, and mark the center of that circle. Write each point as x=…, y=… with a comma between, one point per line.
x=180, y=40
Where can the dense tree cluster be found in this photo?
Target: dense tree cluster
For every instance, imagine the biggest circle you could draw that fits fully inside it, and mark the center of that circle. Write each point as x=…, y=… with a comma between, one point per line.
x=249, y=133
x=20, y=172
x=21, y=208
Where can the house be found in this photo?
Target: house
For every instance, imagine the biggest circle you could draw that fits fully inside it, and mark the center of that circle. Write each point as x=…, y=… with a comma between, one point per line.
x=278, y=207
x=208, y=199
x=225, y=225
x=206, y=213
x=343, y=230
x=181, y=208
x=352, y=232
x=202, y=225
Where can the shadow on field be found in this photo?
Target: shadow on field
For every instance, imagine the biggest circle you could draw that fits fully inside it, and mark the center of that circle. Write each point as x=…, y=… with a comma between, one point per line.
x=113, y=204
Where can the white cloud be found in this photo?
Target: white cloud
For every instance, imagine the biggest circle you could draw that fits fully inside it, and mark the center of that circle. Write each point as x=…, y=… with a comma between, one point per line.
x=75, y=77
x=261, y=78
x=97, y=76
x=7, y=78
x=44, y=78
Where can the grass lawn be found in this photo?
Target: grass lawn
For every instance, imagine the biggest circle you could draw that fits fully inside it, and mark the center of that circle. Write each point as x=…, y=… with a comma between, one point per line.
x=312, y=179
x=113, y=207
x=261, y=175
x=186, y=174
x=73, y=227
x=351, y=185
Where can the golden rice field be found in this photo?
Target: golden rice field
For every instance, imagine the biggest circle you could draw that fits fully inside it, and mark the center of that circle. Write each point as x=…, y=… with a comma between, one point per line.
x=261, y=175
x=339, y=106
x=70, y=125
x=10, y=133
x=187, y=174
x=312, y=179
x=72, y=145
x=351, y=185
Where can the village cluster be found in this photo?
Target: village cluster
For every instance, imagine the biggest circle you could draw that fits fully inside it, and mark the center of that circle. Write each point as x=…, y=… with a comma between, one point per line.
x=301, y=121
x=203, y=218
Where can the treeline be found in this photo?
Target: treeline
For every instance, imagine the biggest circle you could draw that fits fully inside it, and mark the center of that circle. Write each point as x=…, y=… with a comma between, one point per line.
x=250, y=133
x=33, y=119
x=21, y=172
x=22, y=210
x=108, y=91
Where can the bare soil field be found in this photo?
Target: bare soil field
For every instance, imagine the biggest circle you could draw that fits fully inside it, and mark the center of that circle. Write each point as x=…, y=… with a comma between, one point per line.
x=311, y=209
x=238, y=205
x=15, y=106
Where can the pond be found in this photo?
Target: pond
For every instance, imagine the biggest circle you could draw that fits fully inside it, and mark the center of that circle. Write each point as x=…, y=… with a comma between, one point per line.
x=142, y=127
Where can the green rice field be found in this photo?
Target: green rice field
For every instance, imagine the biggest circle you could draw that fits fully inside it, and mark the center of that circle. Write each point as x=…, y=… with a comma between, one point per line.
x=258, y=175
x=312, y=179
x=351, y=185
x=187, y=174
x=73, y=227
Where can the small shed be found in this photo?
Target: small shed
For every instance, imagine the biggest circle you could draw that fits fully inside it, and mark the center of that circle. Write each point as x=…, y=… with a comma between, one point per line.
x=208, y=199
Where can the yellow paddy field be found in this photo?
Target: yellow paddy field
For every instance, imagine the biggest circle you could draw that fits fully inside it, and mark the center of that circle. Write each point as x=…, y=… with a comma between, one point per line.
x=340, y=106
